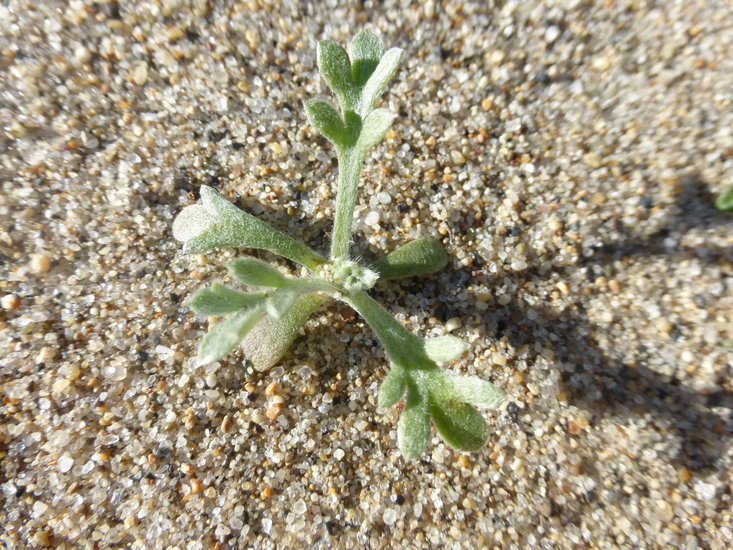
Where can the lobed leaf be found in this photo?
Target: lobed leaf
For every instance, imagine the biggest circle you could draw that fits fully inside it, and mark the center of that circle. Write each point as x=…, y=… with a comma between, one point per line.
x=444, y=348
x=378, y=80
x=327, y=121
x=392, y=388
x=221, y=300
x=373, y=129
x=253, y=272
x=365, y=51
x=270, y=338
x=460, y=425
x=280, y=301
x=413, y=428
x=418, y=257
x=472, y=390
x=225, y=336
x=216, y=222
x=191, y=222
x=334, y=65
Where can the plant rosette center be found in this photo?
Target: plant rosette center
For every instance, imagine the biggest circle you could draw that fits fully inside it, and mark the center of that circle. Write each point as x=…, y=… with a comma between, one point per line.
x=349, y=275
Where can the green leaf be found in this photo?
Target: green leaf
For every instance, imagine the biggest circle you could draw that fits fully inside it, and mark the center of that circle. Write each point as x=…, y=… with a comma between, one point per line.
x=191, y=222
x=379, y=80
x=418, y=257
x=392, y=388
x=374, y=128
x=725, y=200
x=220, y=300
x=280, y=301
x=327, y=121
x=270, y=338
x=215, y=222
x=444, y=348
x=413, y=428
x=365, y=50
x=335, y=67
x=225, y=336
x=472, y=390
x=251, y=271
x=460, y=425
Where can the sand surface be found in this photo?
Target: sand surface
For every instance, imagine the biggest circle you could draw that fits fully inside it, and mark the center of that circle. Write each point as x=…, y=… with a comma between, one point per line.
x=566, y=153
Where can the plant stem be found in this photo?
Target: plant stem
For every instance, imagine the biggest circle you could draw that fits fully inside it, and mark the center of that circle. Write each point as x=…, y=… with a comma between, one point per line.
x=350, y=163
x=402, y=347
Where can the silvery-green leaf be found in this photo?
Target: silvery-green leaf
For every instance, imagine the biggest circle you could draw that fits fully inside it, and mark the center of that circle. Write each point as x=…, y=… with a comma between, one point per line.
x=280, y=301
x=225, y=336
x=418, y=257
x=365, y=51
x=460, y=425
x=220, y=300
x=226, y=225
x=473, y=390
x=335, y=67
x=191, y=222
x=374, y=128
x=270, y=338
x=725, y=200
x=392, y=388
x=379, y=79
x=444, y=348
x=327, y=121
x=251, y=271
x=413, y=428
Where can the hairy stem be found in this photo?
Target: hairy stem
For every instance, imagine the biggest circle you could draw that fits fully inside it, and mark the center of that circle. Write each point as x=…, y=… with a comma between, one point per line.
x=402, y=347
x=350, y=163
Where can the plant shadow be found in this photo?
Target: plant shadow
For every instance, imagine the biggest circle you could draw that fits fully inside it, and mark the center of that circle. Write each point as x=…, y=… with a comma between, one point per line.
x=594, y=380
x=694, y=210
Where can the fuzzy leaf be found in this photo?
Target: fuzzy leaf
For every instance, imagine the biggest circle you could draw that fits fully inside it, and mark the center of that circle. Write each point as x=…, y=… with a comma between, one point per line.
x=279, y=302
x=365, y=50
x=220, y=300
x=413, y=428
x=472, y=390
x=378, y=80
x=444, y=348
x=334, y=65
x=191, y=222
x=460, y=425
x=725, y=200
x=253, y=272
x=327, y=121
x=215, y=222
x=418, y=257
x=270, y=338
x=392, y=388
x=374, y=128
x=225, y=336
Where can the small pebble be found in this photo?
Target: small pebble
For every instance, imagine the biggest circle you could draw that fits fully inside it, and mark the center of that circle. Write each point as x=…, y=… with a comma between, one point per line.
x=372, y=218
x=10, y=301
x=273, y=412
x=140, y=73
x=40, y=263
x=598, y=198
x=272, y=388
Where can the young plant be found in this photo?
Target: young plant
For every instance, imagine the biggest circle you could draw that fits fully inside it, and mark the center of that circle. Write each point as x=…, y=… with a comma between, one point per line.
x=266, y=321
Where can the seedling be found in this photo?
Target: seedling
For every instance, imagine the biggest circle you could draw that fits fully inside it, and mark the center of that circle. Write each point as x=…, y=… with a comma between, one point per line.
x=266, y=321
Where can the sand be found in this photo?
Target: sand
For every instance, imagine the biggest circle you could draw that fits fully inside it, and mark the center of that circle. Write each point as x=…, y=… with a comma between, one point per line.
x=566, y=153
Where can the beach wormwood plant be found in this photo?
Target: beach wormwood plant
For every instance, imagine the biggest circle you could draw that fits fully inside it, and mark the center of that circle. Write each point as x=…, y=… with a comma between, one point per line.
x=266, y=321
